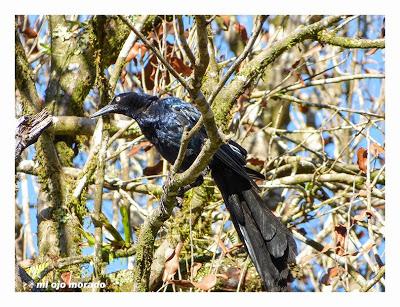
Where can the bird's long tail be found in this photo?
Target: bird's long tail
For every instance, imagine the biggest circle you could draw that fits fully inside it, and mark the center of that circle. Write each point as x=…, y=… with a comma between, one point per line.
x=268, y=242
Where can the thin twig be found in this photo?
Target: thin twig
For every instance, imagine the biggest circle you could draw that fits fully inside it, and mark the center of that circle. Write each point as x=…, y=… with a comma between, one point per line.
x=183, y=42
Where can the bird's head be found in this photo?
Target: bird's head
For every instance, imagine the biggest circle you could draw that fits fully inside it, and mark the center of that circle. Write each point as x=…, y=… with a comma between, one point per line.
x=130, y=104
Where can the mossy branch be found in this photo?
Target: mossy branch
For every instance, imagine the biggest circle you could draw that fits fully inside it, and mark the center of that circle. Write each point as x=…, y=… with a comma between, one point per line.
x=330, y=38
x=50, y=241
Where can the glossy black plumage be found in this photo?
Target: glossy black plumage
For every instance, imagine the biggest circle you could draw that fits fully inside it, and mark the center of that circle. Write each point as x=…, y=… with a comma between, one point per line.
x=269, y=244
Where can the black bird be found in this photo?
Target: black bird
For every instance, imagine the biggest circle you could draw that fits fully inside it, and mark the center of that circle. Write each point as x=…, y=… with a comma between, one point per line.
x=268, y=242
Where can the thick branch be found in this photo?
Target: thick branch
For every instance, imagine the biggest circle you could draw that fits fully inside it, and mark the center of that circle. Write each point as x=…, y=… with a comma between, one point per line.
x=50, y=239
x=74, y=125
x=330, y=38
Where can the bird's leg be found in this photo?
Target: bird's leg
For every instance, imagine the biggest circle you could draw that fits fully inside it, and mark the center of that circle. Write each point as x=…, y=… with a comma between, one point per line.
x=182, y=190
x=165, y=192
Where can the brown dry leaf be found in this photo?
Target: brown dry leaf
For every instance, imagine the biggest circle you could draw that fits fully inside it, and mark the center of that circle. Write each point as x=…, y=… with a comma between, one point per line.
x=123, y=75
x=242, y=99
x=362, y=159
x=152, y=66
x=376, y=149
x=299, y=78
x=255, y=161
x=153, y=170
x=364, y=214
x=150, y=72
x=303, y=109
x=332, y=273
x=30, y=33
x=207, y=282
x=181, y=283
x=296, y=64
x=135, y=149
x=233, y=277
x=223, y=21
x=369, y=214
x=171, y=265
x=340, y=233
x=160, y=29
x=180, y=66
x=241, y=29
x=325, y=280
x=226, y=21
x=135, y=50
x=66, y=277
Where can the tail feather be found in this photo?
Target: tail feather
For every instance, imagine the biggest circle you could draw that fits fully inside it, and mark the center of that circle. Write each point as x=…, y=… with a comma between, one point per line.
x=268, y=242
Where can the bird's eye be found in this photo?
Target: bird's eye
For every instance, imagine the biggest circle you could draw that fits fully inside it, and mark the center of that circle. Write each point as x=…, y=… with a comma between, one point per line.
x=117, y=99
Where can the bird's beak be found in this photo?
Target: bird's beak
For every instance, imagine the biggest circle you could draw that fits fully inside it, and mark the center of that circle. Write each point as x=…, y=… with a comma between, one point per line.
x=111, y=108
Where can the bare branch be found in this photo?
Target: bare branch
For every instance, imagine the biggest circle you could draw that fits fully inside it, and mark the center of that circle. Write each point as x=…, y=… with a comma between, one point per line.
x=328, y=106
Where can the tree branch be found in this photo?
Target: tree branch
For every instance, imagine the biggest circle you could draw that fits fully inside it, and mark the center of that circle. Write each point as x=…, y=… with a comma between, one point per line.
x=29, y=129
x=375, y=280
x=327, y=106
x=185, y=46
x=228, y=95
x=330, y=38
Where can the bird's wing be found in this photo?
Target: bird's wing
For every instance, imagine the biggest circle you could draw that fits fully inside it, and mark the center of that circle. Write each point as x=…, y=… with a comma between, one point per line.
x=185, y=113
x=234, y=157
